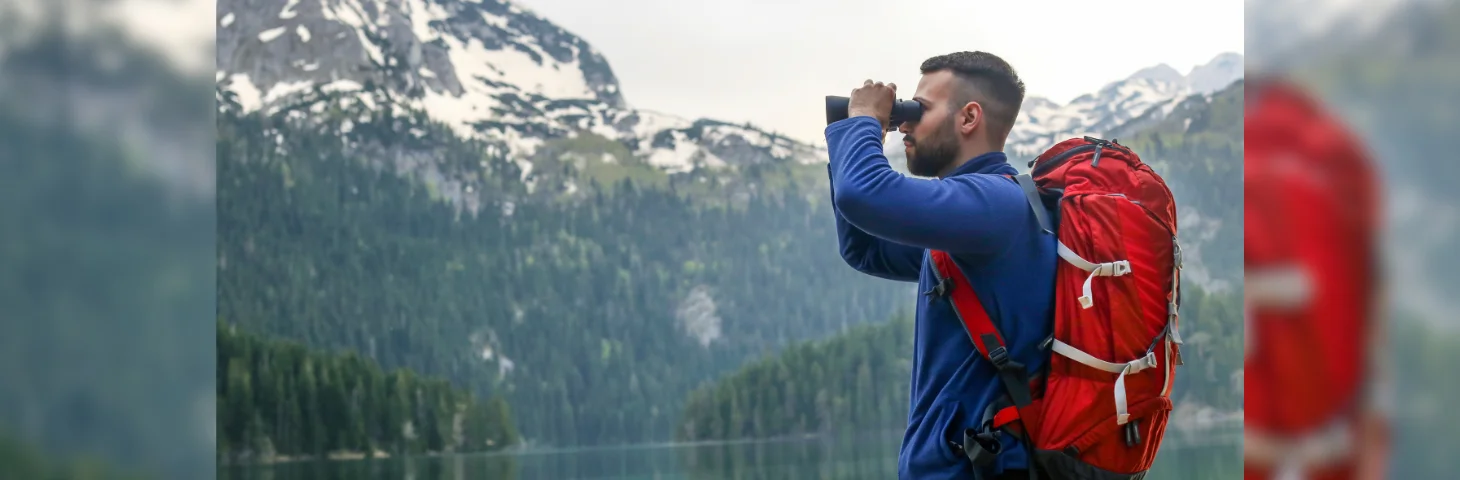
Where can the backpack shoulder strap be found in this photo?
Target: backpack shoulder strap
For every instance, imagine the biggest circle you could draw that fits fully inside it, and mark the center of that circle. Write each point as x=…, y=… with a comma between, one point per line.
x=1031, y=192
x=980, y=328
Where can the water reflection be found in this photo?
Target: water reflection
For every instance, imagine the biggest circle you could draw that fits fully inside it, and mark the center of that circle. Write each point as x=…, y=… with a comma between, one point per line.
x=848, y=457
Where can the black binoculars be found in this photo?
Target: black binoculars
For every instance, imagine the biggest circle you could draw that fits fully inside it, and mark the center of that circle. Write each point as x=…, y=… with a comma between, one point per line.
x=902, y=110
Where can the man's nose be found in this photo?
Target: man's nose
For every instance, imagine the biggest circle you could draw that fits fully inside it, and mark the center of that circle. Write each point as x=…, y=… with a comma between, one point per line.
x=905, y=128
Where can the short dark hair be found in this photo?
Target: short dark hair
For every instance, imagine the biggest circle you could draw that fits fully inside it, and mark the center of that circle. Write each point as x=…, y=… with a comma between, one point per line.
x=987, y=76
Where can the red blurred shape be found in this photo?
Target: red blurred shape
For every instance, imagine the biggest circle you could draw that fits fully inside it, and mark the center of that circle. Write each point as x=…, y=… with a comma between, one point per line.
x=1312, y=287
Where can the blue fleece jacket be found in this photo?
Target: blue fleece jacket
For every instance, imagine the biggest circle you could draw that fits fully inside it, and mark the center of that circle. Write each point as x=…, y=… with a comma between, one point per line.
x=887, y=222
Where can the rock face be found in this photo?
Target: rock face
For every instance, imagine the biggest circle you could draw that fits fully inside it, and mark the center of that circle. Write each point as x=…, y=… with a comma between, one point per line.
x=489, y=69
x=495, y=71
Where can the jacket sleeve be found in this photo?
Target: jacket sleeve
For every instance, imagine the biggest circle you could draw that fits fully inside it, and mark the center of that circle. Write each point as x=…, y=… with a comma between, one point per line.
x=874, y=256
x=965, y=214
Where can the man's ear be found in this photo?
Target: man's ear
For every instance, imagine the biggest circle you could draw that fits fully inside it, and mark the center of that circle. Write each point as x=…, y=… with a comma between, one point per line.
x=970, y=117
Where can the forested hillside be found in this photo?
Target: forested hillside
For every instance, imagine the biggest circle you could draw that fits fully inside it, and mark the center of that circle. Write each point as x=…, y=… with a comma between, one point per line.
x=859, y=380
x=594, y=308
x=279, y=400
x=856, y=381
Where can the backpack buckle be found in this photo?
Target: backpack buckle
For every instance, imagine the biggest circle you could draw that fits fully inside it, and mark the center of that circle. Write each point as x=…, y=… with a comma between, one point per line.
x=982, y=448
x=1000, y=357
x=1013, y=374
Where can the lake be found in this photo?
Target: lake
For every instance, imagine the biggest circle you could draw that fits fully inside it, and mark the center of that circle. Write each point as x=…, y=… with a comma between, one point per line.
x=872, y=456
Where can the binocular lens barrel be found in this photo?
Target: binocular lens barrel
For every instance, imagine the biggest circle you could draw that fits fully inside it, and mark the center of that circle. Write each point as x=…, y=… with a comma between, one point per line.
x=902, y=110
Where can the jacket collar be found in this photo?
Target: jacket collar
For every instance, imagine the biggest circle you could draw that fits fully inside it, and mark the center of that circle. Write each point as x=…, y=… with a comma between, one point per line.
x=989, y=163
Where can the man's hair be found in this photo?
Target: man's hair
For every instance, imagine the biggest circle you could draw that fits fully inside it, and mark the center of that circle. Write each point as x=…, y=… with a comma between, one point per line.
x=989, y=79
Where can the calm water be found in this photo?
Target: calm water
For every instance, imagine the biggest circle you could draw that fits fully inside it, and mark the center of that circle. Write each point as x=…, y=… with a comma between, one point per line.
x=870, y=457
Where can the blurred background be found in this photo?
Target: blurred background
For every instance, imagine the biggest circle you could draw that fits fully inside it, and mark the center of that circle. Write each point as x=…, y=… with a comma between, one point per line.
x=1387, y=72
x=107, y=220
x=549, y=239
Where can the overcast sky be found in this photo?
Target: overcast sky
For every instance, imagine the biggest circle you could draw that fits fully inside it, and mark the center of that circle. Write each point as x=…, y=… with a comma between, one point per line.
x=771, y=62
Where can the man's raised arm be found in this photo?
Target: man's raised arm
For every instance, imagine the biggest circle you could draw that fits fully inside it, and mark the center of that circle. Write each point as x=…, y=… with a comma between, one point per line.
x=872, y=255
x=971, y=214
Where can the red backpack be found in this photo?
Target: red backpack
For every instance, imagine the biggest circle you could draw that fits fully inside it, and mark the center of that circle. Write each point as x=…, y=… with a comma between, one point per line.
x=1311, y=213
x=1100, y=408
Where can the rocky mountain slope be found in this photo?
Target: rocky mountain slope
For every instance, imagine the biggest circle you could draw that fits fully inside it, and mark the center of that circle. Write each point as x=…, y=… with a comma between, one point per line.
x=496, y=71
x=1150, y=95
x=490, y=69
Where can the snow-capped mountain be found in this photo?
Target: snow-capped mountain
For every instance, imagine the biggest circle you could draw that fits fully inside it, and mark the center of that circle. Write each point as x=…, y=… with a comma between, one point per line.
x=1149, y=94
x=496, y=71
x=489, y=69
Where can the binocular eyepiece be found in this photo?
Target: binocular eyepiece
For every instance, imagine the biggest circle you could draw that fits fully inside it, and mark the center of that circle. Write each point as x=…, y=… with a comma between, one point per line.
x=902, y=110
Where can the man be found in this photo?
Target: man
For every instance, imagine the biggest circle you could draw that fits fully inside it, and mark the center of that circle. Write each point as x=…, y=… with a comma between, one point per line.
x=887, y=222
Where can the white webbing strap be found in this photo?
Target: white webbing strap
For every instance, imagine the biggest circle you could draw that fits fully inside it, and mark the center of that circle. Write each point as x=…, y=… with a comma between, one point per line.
x=1107, y=269
x=1127, y=368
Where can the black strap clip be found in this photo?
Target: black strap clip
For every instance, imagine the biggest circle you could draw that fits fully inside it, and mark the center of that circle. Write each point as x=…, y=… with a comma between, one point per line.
x=1014, y=374
x=999, y=356
x=982, y=448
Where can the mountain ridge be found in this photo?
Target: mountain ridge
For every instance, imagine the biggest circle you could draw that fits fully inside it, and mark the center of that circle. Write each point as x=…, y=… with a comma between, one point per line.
x=496, y=71
x=491, y=70
x=1150, y=93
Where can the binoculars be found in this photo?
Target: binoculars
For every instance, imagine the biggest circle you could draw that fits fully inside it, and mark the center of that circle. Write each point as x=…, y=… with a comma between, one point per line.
x=902, y=110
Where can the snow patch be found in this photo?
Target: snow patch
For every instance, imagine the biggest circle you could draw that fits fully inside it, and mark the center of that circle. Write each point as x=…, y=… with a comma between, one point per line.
x=422, y=14
x=676, y=159
x=288, y=11
x=270, y=34
x=284, y=89
x=651, y=122
x=249, y=96
x=302, y=32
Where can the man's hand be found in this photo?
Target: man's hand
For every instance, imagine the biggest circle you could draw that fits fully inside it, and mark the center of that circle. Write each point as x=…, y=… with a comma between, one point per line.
x=873, y=99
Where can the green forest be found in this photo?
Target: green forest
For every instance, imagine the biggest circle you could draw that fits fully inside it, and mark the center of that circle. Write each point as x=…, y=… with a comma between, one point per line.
x=858, y=381
x=592, y=313
x=280, y=400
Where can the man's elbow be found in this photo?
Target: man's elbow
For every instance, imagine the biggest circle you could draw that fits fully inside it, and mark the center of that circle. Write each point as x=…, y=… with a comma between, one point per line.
x=854, y=206
x=868, y=261
x=856, y=258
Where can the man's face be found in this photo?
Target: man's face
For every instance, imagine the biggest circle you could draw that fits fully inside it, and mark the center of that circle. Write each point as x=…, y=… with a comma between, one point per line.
x=932, y=142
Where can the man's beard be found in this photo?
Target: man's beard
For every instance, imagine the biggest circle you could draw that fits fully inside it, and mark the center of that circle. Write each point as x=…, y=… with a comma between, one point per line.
x=931, y=155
